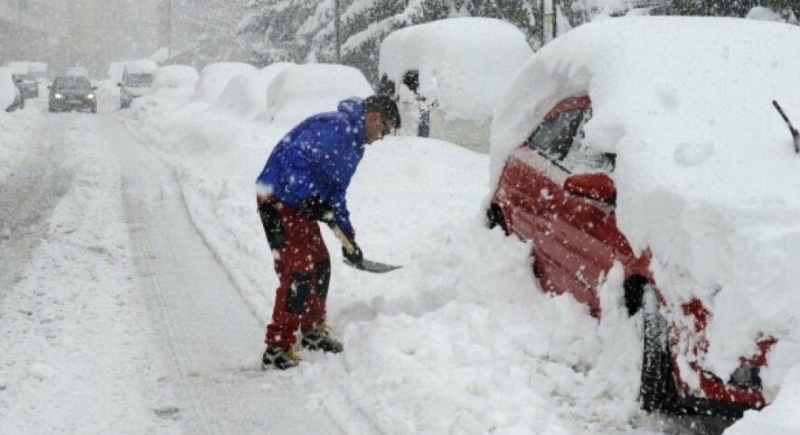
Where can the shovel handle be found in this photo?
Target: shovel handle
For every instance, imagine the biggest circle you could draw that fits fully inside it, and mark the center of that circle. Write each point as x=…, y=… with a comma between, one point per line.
x=342, y=238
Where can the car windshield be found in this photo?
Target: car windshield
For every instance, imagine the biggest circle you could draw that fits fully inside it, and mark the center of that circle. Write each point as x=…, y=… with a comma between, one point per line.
x=138, y=79
x=72, y=83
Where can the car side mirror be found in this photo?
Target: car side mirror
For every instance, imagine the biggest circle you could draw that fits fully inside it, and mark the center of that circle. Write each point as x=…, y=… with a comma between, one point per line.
x=119, y=84
x=596, y=186
x=49, y=87
x=94, y=88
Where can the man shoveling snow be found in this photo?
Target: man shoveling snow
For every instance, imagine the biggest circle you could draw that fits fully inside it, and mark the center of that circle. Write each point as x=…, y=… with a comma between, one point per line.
x=305, y=180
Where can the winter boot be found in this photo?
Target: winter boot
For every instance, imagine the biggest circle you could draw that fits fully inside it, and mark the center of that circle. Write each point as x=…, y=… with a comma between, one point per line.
x=320, y=339
x=279, y=358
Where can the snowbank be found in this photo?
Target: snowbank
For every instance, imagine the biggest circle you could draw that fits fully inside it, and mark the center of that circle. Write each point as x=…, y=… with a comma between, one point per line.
x=463, y=63
x=706, y=174
x=246, y=94
x=214, y=78
x=175, y=76
x=300, y=91
x=141, y=66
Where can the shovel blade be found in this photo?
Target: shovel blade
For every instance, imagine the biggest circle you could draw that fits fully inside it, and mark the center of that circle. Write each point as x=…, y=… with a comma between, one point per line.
x=372, y=266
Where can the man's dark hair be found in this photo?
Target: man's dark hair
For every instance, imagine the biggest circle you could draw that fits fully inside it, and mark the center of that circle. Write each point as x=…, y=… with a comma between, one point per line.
x=384, y=105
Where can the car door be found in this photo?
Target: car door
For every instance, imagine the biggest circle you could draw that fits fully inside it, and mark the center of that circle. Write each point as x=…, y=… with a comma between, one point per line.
x=575, y=238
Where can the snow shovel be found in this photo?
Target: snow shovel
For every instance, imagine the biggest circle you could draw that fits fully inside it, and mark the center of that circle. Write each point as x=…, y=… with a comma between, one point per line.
x=366, y=265
x=795, y=134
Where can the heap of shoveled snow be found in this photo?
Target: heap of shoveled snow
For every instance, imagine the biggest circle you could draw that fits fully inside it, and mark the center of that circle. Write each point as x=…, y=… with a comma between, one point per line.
x=706, y=174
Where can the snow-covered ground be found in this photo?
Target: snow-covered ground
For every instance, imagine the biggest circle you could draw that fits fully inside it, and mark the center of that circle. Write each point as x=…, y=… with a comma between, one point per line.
x=140, y=304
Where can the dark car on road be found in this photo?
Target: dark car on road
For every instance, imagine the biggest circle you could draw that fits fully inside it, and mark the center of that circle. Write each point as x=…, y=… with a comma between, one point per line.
x=72, y=92
x=27, y=85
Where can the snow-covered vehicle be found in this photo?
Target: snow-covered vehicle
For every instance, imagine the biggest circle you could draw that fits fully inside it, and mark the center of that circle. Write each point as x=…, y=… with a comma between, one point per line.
x=137, y=80
x=299, y=91
x=650, y=147
x=10, y=96
x=28, y=85
x=448, y=75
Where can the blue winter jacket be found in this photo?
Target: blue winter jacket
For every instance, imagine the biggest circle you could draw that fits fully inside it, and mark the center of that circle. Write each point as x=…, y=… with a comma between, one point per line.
x=318, y=157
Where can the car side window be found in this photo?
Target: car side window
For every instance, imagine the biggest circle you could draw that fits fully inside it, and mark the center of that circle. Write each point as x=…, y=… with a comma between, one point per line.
x=553, y=137
x=561, y=139
x=582, y=158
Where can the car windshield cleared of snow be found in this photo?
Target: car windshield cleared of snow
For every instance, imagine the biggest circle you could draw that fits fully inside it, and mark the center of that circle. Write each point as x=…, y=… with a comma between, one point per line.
x=136, y=80
x=72, y=83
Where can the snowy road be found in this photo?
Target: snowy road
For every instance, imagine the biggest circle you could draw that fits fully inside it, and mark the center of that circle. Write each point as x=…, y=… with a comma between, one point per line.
x=211, y=334
x=118, y=316
x=115, y=315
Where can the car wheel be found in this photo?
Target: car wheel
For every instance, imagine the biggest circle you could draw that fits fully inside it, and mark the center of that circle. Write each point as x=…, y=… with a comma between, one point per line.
x=658, y=391
x=494, y=217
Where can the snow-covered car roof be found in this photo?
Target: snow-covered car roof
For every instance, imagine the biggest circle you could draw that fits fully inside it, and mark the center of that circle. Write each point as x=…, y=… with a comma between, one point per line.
x=299, y=91
x=7, y=89
x=141, y=66
x=214, y=77
x=463, y=63
x=706, y=173
x=19, y=67
x=246, y=94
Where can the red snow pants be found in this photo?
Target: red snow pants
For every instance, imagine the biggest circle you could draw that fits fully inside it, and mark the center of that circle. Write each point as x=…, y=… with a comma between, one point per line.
x=303, y=266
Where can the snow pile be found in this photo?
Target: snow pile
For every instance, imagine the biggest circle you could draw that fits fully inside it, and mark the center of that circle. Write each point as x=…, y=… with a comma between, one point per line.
x=7, y=88
x=214, y=78
x=706, y=173
x=141, y=66
x=463, y=63
x=175, y=76
x=246, y=94
x=300, y=91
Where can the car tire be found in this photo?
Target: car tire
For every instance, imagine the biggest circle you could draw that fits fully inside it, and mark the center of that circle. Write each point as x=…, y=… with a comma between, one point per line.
x=494, y=217
x=658, y=391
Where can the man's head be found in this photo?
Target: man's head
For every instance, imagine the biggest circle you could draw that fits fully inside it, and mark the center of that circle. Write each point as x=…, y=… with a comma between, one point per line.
x=381, y=117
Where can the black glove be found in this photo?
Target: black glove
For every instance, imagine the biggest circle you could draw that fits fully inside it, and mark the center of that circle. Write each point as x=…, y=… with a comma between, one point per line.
x=318, y=210
x=356, y=256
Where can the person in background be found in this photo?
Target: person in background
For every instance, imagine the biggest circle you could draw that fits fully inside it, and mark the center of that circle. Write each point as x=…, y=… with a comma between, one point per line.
x=305, y=180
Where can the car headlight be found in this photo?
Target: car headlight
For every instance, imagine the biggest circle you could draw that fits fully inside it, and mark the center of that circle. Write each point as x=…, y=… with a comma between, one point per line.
x=90, y=96
x=58, y=96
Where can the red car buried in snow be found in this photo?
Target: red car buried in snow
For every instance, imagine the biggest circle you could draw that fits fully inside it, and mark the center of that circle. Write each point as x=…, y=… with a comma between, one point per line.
x=588, y=129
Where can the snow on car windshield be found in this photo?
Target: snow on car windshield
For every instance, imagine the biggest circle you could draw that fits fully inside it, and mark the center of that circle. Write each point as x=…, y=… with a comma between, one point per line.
x=706, y=173
x=136, y=80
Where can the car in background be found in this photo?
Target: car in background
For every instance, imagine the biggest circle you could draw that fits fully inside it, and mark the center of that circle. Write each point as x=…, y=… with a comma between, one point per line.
x=28, y=85
x=137, y=80
x=72, y=93
x=10, y=95
x=606, y=156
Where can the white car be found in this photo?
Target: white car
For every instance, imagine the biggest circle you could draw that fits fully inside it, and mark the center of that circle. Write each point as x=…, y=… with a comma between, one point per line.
x=137, y=80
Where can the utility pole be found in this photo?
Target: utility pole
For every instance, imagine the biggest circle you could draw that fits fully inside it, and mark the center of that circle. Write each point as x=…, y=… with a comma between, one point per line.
x=338, y=25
